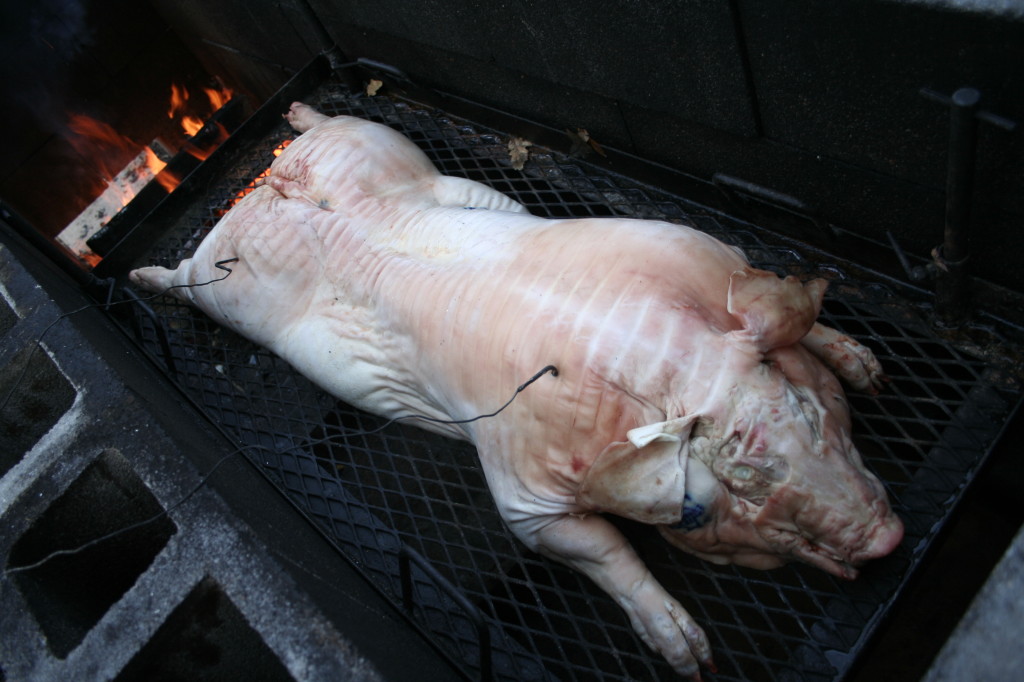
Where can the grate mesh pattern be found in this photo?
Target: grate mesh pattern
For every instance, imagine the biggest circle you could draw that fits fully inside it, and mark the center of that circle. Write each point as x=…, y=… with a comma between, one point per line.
x=373, y=493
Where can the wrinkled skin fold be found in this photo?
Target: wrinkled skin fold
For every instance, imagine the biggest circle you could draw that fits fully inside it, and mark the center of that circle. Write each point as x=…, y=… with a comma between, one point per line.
x=693, y=392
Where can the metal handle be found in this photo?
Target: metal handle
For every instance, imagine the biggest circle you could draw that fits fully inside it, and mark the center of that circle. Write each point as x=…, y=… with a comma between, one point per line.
x=392, y=71
x=736, y=190
x=406, y=557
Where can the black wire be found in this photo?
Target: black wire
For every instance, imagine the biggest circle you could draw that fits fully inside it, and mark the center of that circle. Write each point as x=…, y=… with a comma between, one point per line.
x=222, y=265
x=437, y=420
x=304, y=445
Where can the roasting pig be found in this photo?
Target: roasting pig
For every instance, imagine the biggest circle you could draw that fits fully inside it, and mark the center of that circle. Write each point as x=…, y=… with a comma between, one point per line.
x=693, y=391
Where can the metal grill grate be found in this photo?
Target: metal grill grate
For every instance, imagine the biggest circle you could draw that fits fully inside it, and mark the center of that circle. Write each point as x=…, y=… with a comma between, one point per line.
x=372, y=494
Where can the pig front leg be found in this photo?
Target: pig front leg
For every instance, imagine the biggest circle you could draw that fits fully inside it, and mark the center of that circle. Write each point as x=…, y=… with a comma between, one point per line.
x=592, y=545
x=853, y=362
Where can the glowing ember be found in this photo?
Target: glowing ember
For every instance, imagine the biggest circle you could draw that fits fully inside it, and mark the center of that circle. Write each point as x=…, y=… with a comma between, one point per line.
x=255, y=182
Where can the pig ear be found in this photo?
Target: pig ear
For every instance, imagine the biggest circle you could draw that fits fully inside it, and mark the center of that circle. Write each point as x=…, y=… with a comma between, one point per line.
x=644, y=478
x=774, y=312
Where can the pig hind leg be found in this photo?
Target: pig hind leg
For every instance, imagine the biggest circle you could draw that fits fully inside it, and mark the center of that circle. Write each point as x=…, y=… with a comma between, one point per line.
x=302, y=117
x=158, y=280
x=154, y=279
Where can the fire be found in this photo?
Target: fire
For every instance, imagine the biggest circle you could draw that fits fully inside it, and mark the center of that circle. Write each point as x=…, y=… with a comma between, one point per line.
x=191, y=125
x=255, y=181
x=100, y=143
x=179, y=100
x=121, y=167
x=180, y=96
x=218, y=98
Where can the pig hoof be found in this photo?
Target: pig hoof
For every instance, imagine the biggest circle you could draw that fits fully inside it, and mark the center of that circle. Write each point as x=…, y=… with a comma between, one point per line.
x=302, y=117
x=673, y=633
x=855, y=363
x=859, y=367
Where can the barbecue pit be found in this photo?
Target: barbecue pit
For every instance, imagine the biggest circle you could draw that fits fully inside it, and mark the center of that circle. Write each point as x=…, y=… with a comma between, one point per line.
x=407, y=512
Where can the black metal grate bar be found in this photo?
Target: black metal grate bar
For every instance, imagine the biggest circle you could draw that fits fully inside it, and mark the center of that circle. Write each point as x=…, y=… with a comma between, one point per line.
x=374, y=493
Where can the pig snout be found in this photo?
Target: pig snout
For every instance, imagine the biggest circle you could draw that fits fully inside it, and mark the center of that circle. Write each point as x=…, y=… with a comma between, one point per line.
x=863, y=526
x=883, y=536
x=843, y=538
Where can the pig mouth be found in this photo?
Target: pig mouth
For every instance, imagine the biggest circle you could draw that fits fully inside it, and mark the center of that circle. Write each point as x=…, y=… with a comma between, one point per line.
x=788, y=544
x=825, y=558
x=775, y=547
x=882, y=538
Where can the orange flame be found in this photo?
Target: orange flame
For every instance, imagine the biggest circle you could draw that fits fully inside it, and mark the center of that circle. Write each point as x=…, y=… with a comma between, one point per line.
x=91, y=135
x=218, y=98
x=192, y=124
x=202, y=153
x=120, y=167
x=167, y=178
x=179, y=99
x=112, y=153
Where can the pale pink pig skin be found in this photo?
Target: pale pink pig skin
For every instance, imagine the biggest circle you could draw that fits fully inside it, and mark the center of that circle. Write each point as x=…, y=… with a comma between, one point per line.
x=680, y=369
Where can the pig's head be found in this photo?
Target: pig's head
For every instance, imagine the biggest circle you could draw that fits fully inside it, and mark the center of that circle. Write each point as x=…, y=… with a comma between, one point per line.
x=772, y=475
x=764, y=471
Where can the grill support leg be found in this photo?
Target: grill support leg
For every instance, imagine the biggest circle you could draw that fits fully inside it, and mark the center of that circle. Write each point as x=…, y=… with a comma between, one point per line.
x=952, y=298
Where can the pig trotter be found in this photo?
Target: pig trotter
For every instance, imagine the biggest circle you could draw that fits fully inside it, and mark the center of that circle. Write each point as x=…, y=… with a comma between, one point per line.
x=595, y=547
x=303, y=117
x=853, y=362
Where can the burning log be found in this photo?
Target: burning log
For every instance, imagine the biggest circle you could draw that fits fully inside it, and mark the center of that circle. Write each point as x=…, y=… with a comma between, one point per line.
x=134, y=182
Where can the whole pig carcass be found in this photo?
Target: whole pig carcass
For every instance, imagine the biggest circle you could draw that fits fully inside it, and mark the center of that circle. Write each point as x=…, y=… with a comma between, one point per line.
x=692, y=391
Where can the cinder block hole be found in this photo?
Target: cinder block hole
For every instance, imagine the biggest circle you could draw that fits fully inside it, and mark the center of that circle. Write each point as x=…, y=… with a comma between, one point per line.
x=34, y=394
x=69, y=593
x=205, y=638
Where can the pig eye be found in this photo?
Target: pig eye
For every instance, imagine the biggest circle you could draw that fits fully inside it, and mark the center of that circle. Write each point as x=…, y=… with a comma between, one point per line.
x=744, y=472
x=754, y=481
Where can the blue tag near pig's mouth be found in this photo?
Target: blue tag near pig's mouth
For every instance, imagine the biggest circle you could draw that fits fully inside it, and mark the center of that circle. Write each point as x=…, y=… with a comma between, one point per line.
x=694, y=515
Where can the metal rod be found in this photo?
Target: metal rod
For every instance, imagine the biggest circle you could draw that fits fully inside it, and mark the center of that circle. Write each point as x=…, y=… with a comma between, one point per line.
x=963, y=137
x=738, y=191
x=159, y=329
x=952, y=299
x=408, y=556
x=952, y=304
